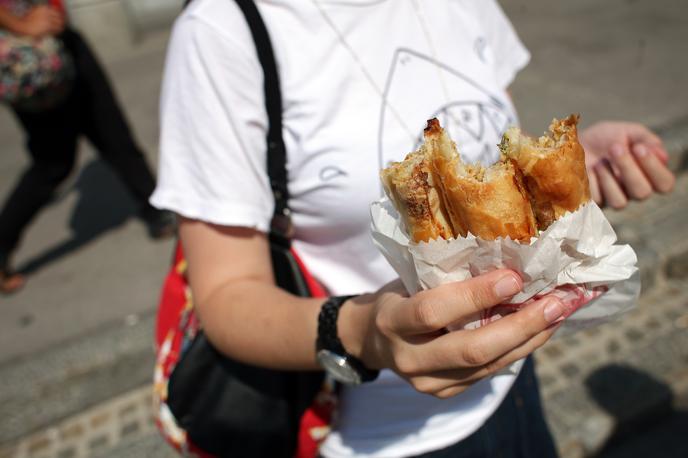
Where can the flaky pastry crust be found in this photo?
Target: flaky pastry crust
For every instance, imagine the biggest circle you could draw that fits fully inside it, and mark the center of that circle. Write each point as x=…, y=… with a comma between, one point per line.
x=553, y=167
x=410, y=187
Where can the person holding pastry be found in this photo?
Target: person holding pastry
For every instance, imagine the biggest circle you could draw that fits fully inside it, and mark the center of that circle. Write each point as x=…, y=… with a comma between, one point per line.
x=359, y=80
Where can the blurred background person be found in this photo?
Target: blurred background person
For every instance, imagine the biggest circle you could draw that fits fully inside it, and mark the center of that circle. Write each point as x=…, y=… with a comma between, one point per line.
x=58, y=91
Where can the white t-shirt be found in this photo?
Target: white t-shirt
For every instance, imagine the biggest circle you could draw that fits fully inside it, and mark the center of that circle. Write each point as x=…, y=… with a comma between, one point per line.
x=339, y=133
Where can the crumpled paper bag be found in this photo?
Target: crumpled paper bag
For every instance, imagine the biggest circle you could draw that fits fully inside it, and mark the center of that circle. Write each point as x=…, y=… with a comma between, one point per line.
x=576, y=258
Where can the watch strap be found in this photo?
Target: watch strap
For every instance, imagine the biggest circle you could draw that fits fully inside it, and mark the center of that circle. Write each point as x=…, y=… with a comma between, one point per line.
x=328, y=337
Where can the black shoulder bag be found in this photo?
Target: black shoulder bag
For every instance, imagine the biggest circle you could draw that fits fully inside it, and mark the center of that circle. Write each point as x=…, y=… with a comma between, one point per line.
x=229, y=408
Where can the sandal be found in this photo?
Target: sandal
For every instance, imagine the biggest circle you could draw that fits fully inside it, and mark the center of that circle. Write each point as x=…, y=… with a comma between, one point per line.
x=11, y=282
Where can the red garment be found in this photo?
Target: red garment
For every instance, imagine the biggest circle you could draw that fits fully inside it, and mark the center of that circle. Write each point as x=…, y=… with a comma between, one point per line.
x=177, y=324
x=57, y=4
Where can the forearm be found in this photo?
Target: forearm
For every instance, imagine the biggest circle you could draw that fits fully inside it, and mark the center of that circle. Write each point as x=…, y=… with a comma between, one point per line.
x=8, y=21
x=262, y=325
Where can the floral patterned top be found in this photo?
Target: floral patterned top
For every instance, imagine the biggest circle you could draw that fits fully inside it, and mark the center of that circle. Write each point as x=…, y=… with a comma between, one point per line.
x=34, y=73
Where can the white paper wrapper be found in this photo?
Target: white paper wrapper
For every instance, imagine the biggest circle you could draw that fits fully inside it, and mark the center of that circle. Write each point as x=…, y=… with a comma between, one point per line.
x=575, y=258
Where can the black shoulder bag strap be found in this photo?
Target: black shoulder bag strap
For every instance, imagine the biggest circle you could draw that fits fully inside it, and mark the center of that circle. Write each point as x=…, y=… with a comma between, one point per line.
x=277, y=153
x=226, y=407
x=281, y=229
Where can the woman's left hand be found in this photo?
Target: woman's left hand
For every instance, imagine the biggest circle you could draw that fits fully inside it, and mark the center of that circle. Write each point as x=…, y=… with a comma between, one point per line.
x=625, y=161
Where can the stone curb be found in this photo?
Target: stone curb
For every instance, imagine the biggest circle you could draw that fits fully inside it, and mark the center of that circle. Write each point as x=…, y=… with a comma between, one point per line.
x=44, y=388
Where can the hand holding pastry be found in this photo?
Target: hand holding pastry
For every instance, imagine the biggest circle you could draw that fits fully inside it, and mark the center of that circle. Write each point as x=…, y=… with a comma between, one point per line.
x=409, y=334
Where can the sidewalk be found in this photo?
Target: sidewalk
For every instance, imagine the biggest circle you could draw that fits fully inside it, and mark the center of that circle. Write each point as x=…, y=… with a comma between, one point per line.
x=78, y=341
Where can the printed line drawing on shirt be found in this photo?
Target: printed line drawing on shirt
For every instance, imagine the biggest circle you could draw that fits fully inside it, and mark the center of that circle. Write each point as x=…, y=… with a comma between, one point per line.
x=476, y=121
x=480, y=47
x=331, y=172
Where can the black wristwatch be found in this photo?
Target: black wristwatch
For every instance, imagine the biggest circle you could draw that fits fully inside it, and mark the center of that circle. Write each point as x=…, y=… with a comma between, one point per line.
x=329, y=349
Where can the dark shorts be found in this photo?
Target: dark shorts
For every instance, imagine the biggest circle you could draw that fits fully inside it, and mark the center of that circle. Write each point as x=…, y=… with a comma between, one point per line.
x=516, y=430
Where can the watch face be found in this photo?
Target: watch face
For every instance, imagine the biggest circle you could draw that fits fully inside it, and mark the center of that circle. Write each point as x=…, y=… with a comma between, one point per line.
x=338, y=367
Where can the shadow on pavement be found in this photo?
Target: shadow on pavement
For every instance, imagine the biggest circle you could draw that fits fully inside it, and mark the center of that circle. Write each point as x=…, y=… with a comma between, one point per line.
x=647, y=423
x=103, y=204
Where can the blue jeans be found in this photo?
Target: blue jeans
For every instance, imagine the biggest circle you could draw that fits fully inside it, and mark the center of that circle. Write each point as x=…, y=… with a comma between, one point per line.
x=517, y=429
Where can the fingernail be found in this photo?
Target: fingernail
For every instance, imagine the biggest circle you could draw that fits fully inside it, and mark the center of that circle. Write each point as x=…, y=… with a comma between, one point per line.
x=554, y=310
x=640, y=150
x=507, y=286
x=616, y=150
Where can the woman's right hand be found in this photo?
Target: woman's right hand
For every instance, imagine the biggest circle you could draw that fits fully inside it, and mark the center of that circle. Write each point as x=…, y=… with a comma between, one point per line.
x=408, y=334
x=40, y=21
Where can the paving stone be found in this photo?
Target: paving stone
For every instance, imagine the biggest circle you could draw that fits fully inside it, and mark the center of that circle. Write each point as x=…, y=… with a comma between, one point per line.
x=100, y=419
x=653, y=323
x=592, y=332
x=546, y=379
x=130, y=428
x=677, y=265
x=39, y=444
x=613, y=347
x=553, y=350
x=98, y=442
x=681, y=322
x=674, y=314
x=648, y=260
x=128, y=410
x=67, y=453
x=8, y=452
x=572, y=450
x=633, y=334
x=570, y=370
x=72, y=431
